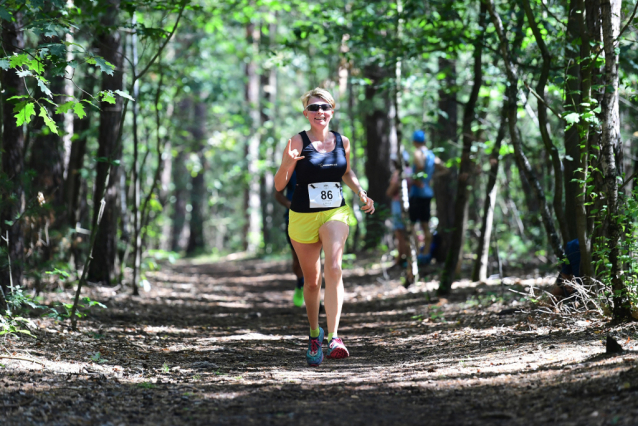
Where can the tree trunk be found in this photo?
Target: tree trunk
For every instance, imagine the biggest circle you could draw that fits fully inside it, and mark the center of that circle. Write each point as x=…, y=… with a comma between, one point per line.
x=572, y=104
x=102, y=268
x=480, y=266
x=544, y=124
x=196, y=240
x=610, y=145
x=47, y=154
x=12, y=163
x=73, y=182
x=252, y=227
x=377, y=167
x=180, y=180
x=269, y=221
x=512, y=91
x=445, y=137
x=467, y=166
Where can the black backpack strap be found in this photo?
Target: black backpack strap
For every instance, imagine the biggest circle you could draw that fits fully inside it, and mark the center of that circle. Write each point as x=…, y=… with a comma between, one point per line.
x=305, y=139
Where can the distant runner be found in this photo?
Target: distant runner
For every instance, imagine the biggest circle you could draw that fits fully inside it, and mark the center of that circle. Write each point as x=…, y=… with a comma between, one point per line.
x=319, y=215
x=284, y=200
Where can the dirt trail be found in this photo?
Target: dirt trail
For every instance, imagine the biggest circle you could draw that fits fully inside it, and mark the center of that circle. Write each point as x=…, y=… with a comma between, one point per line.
x=221, y=344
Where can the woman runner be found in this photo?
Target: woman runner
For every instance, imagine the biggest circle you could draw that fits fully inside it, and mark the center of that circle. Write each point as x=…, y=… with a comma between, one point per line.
x=319, y=215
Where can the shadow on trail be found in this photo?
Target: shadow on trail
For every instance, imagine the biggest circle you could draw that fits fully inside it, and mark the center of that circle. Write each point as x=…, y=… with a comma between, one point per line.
x=221, y=344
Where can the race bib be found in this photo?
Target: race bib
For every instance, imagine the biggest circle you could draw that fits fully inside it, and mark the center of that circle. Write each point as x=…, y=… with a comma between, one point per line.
x=324, y=195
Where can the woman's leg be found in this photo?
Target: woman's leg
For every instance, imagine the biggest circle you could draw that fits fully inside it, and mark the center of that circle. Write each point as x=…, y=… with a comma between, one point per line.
x=309, y=258
x=333, y=236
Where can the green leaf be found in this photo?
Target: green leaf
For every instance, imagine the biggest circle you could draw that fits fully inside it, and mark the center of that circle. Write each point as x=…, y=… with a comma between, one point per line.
x=572, y=118
x=105, y=66
x=65, y=107
x=19, y=60
x=23, y=73
x=4, y=64
x=78, y=109
x=42, y=85
x=5, y=14
x=107, y=96
x=25, y=110
x=48, y=120
x=36, y=66
x=125, y=95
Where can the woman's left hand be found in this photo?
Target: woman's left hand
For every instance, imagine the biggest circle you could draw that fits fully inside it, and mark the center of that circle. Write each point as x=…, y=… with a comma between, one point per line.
x=369, y=203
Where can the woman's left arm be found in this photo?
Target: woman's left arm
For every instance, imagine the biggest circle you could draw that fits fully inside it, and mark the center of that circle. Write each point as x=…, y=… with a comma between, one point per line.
x=350, y=179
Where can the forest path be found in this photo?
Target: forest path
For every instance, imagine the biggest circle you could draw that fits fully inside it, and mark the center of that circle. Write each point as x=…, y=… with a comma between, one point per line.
x=221, y=344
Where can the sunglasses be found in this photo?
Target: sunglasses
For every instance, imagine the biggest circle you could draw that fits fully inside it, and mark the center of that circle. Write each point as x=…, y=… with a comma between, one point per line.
x=317, y=107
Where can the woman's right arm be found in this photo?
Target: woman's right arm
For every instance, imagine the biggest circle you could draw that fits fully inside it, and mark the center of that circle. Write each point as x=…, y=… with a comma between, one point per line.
x=288, y=162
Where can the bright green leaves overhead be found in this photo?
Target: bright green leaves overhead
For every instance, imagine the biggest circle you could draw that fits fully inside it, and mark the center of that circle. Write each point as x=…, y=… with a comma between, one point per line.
x=77, y=108
x=47, y=120
x=24, y=111
x=104, y=65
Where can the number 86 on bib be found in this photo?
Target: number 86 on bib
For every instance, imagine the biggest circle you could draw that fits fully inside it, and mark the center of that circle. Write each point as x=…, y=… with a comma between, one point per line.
x=325, y=194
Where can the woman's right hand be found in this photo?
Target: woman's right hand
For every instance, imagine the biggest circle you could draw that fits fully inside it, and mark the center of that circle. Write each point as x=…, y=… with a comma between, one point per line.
x=291, y=156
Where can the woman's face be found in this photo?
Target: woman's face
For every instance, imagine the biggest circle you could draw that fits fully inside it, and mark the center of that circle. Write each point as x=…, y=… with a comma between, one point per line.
x=318, y=118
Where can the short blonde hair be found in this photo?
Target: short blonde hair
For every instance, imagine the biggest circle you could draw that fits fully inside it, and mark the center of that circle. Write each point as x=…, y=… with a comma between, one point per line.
x=318, y=92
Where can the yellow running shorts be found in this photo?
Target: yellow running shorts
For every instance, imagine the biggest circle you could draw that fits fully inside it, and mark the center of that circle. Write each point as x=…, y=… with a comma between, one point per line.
x=304, y=227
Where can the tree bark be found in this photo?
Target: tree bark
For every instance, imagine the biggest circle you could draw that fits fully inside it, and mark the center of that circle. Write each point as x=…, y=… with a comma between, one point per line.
x=544, y=124
x=252, y=227
x=480, y=266
x=377, y=167
x=512, y=91
x=444, y=137
x=102, y=268
x=180, y=180
x=12, y=162
x=467, y=166
x=610, y=145
x=73, y=182
x=572, y=104
x=196, y=240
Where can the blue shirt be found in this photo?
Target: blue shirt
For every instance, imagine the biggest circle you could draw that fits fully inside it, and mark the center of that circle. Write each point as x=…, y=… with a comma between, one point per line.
x=424, y=191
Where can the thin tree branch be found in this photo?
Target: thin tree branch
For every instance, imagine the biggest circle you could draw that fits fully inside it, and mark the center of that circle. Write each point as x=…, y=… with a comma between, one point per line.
x=628, y=22
x=540, y=98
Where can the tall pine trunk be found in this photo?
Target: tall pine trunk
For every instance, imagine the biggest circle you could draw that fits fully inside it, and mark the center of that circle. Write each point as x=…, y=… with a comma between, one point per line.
x=102, y=268
x=572, y=104
x=610, y=146
x=467, y=166
x=12, y=162
x=378, y=147
x=523, y=162
x=252, y=201
x=479, y=272
x=199, y=204
x=445, y=137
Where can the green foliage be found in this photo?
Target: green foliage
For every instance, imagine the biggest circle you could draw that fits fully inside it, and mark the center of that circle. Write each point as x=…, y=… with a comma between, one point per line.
x=62, y=311
x=627, y=219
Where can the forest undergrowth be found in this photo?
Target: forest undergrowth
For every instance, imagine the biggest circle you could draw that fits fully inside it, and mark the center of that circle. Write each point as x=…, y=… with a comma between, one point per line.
x=220, y=343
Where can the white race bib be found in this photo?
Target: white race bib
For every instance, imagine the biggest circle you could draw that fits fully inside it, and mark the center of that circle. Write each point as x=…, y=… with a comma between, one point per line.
x=325, y=195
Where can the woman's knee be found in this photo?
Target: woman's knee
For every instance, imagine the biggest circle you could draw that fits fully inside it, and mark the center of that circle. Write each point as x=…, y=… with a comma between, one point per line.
x=332, y=268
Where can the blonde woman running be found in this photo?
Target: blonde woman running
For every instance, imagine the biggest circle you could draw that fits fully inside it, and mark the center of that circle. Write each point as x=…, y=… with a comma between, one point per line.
x=319, y=215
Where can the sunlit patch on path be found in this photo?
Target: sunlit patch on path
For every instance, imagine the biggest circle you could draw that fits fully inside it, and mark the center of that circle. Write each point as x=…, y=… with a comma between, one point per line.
x=222, y=344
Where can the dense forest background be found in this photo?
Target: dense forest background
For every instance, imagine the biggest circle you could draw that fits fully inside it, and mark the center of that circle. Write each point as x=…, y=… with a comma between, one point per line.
x=136, y=131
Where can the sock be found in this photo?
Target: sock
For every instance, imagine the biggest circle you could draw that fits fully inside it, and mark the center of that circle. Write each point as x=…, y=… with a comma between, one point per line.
x=314, y=333
x=331, y=336
x=300, y=282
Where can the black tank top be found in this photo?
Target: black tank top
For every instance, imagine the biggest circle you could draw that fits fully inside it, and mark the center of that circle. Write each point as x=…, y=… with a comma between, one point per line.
x=318, y=167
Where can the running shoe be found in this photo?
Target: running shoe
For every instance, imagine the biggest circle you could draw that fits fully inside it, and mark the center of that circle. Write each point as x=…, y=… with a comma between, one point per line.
x=314, y=356
x=297, y=297
x=337, y=350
